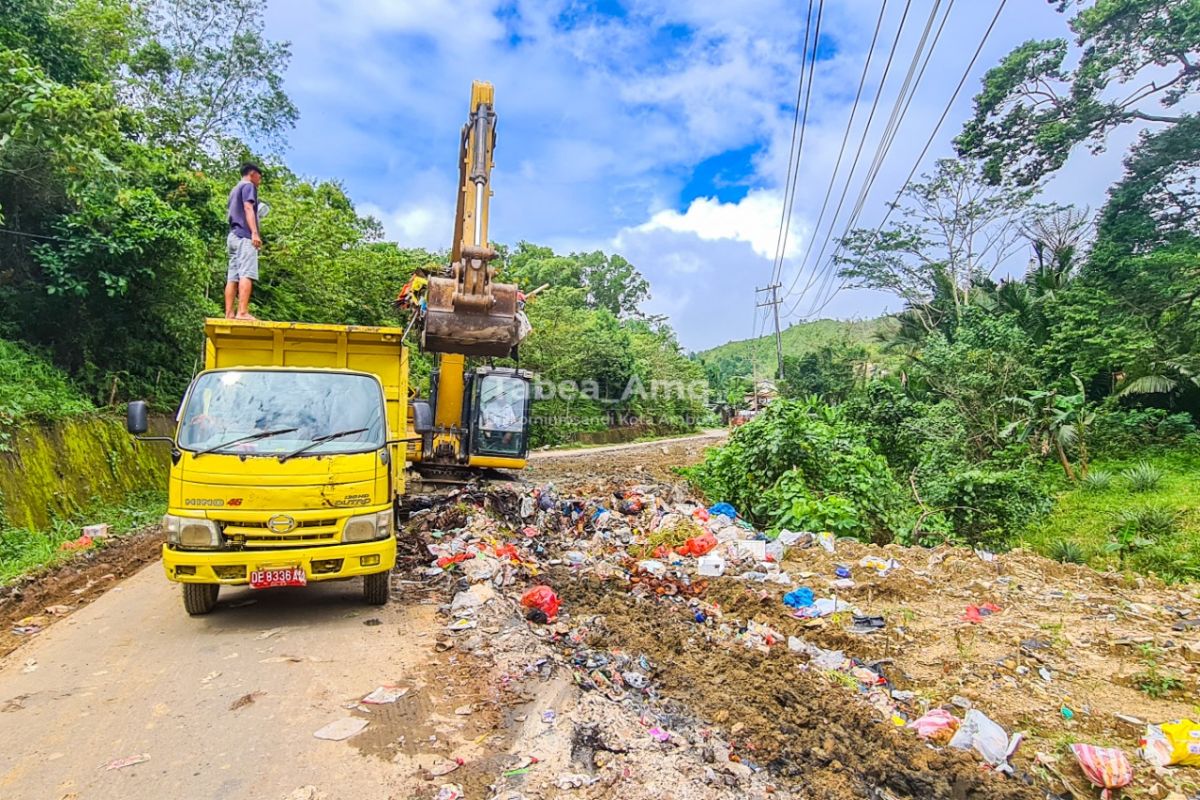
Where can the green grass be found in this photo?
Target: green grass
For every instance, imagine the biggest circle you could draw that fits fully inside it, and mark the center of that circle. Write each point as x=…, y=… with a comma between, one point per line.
x=1113, y=526
x=23, y=550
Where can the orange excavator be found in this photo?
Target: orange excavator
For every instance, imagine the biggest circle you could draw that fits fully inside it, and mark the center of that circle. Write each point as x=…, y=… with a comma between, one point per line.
x=476, y=420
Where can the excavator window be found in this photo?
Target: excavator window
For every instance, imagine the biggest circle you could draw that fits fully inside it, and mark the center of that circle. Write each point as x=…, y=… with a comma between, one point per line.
x=501, y=418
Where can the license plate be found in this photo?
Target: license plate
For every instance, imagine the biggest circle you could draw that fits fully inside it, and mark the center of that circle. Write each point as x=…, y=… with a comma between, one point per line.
x=283, y=576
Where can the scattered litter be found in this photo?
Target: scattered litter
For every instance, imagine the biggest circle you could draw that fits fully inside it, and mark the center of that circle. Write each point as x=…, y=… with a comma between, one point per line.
x=98, y=531
x=58, y=611
x=975, y=614
x=981, y=734
x=210, y=677
x=575, y=781
x=1172, y=743
x=462, y=625
x=1106, y=767
x=799, y=598
x=82, y=543
x=267, y=634
x=861, y=624
x=826, y=540
x=31, y=665
x=710, y=566
x=464, y=711
x=385, y=694
x=127, y=761
x=549, y=716
x=245, y=700
x=937, y=725
x=450, y=791
x=446, y=767
x=341, y=729
x=543, y=599
x=372, y=622
x=281, y=660
x=659, y=735
x=723, y=509
x=883, y=567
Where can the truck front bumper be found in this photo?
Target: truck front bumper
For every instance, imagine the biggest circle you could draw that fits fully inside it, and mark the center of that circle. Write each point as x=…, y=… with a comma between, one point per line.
x=325, y=563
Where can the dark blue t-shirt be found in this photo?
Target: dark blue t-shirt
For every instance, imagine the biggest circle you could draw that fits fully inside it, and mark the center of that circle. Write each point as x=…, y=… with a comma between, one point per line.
x=244, y=192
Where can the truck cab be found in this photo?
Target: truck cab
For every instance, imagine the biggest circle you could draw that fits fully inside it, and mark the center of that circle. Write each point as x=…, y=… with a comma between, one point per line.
x=287, y=460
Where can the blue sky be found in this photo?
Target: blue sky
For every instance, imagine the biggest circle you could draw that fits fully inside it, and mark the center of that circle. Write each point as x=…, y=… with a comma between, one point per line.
x=660, y=129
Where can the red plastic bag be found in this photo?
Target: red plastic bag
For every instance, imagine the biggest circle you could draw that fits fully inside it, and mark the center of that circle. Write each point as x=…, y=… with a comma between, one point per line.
x=445, y=562
x=1106, y=767
x=82, y=543
x=977, y=613
x=506, y=551
x=698, y=545
x=543, y=599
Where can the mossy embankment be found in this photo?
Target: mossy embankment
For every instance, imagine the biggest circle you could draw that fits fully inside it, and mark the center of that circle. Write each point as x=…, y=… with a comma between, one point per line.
x=59, y=469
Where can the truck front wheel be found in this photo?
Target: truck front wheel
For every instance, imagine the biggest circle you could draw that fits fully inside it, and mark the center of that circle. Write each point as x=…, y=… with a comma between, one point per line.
x=200, y=598
x=376, y=588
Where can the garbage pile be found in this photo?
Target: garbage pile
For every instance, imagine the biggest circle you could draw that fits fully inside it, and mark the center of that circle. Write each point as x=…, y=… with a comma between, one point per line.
x=516, y=547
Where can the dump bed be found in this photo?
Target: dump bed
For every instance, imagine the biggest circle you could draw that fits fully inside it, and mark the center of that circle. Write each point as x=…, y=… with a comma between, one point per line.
x=237, y=343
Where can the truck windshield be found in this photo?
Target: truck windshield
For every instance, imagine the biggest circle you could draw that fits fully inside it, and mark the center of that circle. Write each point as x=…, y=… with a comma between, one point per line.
x=226, y=409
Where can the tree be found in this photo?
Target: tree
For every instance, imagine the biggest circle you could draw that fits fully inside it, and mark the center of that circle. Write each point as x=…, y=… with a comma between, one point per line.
x=1034, y=110
x=1048, y=418
x=207, y=79
x=607, y=281
x=829, y=372
x=955, y=230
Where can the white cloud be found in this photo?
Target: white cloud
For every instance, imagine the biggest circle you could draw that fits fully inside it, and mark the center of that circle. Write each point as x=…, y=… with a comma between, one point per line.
x=415, y=225
x=754, y=220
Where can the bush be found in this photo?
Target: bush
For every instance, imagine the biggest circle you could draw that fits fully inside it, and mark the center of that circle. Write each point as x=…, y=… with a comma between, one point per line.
x=984, y=504
x=1118, y=431
x=1143, y=477
x=801, y=461
x=1097, y=480
x=1067, y=552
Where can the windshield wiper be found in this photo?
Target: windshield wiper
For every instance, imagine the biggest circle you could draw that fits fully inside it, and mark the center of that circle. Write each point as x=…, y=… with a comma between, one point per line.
x=319, y=440
x=251, y=438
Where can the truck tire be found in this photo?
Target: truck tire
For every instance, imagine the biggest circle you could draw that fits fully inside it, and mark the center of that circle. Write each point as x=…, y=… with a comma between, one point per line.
x=200, y=598
x=377, y=588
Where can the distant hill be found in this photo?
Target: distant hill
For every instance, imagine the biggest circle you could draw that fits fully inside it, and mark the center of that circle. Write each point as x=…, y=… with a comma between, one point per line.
x=801, y=338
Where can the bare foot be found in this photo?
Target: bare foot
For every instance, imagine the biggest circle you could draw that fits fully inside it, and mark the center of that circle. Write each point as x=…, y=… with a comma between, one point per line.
x=247, y=316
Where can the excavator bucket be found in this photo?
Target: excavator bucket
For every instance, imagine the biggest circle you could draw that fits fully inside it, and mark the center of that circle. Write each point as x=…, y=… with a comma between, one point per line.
x=469, y=314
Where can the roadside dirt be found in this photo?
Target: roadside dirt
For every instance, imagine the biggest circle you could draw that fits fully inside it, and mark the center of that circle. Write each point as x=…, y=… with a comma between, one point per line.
x=72, y=585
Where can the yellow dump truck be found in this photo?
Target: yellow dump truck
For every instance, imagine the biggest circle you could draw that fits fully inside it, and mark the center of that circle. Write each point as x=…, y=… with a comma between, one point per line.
x=291, y=448
x=288, y=459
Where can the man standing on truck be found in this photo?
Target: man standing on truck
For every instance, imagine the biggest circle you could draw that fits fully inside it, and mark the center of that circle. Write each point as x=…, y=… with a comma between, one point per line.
x=243, y=243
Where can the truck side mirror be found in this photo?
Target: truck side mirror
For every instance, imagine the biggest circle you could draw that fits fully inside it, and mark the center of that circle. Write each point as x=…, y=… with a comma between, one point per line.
x=136, y=418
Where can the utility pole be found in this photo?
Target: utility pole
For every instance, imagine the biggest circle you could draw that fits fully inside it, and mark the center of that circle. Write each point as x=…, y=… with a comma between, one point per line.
x=774, y=303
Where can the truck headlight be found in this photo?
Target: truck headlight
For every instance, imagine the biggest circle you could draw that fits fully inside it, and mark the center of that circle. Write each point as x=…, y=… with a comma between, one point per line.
x=367, y=527
x=191, y=532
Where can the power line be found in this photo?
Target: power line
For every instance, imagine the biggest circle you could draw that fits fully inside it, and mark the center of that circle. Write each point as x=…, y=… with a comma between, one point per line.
x=11, y=232
x=862, y=140
x=791, y=201
x=846, y=136
x=788, y=176
x=773, y=303
x=904, y=98
x=924, y=150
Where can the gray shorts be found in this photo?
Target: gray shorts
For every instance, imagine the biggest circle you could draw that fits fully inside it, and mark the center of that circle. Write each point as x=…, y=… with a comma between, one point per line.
x=243, y=258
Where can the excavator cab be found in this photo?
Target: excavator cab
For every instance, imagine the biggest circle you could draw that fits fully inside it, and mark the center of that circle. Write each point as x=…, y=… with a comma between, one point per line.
x=476, y=420
x=498, y=413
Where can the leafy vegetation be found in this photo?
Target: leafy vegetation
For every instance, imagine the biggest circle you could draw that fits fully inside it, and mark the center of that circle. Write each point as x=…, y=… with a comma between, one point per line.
x=1087, y=362
x=25, y=549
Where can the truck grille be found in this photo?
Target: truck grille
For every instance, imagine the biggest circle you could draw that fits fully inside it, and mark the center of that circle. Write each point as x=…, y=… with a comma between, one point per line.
x=305, y=534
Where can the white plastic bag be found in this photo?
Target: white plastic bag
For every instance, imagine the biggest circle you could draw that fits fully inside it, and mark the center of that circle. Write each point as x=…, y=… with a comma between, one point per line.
x=986, y=737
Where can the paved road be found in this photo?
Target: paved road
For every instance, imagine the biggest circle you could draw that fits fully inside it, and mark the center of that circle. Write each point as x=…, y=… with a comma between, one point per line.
x=132, y=674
